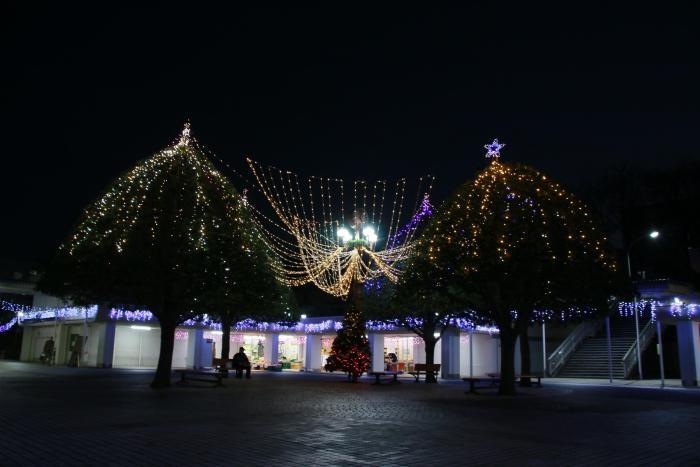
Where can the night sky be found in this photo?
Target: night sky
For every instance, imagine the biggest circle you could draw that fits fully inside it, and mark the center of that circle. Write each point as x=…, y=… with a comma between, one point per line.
x=356, y=92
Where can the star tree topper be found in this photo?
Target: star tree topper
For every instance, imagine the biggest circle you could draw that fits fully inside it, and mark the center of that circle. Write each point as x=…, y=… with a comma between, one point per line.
x=493, y=150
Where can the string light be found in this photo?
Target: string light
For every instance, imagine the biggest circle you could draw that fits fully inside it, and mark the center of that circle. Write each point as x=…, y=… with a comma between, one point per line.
x=6, y=327
x=310, y=242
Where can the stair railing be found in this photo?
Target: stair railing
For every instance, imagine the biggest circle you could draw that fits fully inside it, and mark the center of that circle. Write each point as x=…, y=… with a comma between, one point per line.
x=646, y=335
x=569, y=345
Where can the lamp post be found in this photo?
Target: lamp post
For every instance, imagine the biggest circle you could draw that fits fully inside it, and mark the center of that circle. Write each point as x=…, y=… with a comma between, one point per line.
x=361, y=243
x=652, y=235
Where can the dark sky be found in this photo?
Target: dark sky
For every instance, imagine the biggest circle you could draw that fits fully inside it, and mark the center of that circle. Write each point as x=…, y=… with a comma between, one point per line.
x=352, y=92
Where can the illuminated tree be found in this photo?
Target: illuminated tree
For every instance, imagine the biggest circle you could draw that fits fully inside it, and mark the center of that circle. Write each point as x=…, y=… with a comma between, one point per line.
x=255, y=294
x=521, y=249
x=350, y=349
x=163, y=237
x=421, y=301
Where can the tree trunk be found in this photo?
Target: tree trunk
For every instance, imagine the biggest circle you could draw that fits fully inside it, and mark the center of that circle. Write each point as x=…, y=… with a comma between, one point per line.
x=356, y=295
x=430, y=358
x=507, y=336
x=525, y=367
x=356, y=302
x=165, y=359
x=225, y=346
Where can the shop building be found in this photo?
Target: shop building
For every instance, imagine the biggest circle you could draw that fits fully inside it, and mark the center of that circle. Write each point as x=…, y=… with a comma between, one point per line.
x=122, y=341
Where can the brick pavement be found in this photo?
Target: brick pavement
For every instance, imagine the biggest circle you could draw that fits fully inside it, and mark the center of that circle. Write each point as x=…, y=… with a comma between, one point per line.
x=62, y=416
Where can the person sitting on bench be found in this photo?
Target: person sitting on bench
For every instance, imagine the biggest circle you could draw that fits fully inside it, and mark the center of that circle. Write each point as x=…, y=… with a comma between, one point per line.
x=240, y=363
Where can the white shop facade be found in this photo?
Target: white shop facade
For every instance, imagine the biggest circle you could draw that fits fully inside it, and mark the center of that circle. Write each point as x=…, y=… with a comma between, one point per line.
x=123, y=339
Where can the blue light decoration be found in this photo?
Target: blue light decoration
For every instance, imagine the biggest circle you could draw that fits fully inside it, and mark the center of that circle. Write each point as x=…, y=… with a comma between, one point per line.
x=646, y=307
x=675, y=308
x=26, y=312
x=493, y=150
x=6, y=327
x=461, y=323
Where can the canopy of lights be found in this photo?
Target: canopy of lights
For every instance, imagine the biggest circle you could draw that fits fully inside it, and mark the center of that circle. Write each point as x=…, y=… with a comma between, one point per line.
x=332, y=233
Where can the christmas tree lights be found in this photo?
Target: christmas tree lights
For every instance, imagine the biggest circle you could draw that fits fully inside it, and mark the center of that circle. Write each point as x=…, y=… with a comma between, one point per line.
x=172, y=236
x=350, y=350
x=516, y=248
x=510, y=214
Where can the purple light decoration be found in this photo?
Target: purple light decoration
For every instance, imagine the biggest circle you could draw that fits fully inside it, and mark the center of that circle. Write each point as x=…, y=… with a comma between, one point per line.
x=425, y=210
x=493, y=150
x=647, y=307
x=6, y=327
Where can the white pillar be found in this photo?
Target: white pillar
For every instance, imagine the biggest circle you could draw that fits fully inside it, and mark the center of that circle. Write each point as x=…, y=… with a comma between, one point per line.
x=544, y=351
x=27, y=335
x=418, y=350
x=471, y=352
x=272, y=349
x=313, y=357
x=195, y=341
x=103, y=337
x=449, y=359
x=517, y=357
x=61, y=331
x=376, y=346
x=689, y=352
x=497, y=346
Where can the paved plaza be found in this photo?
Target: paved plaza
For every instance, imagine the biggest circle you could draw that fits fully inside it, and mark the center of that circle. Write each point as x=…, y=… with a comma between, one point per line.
x=66, y=416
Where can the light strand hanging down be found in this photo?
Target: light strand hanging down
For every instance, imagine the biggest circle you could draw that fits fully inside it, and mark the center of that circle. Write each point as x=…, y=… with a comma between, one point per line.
x=314, y=239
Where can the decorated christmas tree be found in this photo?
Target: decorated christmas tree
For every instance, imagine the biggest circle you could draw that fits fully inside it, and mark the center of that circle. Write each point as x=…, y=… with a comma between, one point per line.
x=350, y=350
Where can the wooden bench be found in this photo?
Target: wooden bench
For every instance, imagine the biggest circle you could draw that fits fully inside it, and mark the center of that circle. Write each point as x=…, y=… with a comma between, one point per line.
x=205, y=376
x=423, y=368
x=495, y=378
x=537, y=383
x=379, y=374
x=472, y=380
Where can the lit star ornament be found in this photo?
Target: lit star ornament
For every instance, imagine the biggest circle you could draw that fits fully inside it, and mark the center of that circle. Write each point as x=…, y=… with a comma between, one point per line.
x=493, y=150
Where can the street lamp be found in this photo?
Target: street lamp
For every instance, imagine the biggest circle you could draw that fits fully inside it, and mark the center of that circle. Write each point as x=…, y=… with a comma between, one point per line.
x=654, y=234
x=368, y=237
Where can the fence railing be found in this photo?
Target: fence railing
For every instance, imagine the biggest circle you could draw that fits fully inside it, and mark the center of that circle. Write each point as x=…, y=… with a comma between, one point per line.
x=572, y=342
x=646, y=335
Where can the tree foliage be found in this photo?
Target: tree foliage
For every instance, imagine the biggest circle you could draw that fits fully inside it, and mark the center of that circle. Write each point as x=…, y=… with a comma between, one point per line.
x=256, y=294
x=519, y=248
x=423, y=301
x=166, y=236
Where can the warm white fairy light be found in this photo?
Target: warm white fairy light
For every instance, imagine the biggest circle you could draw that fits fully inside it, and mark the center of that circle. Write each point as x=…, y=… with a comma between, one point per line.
x=309, y=240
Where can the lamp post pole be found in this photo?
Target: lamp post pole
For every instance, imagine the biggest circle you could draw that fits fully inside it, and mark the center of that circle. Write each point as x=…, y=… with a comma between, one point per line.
x=661, y=351
x=636, y=313
x=653, y=234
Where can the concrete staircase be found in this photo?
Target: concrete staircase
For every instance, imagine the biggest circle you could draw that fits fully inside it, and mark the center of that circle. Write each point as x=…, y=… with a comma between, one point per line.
x=590, y=360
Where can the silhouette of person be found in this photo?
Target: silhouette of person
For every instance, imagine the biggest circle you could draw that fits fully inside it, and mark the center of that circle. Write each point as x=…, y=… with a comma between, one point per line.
x=47, y=354
x=240, y=363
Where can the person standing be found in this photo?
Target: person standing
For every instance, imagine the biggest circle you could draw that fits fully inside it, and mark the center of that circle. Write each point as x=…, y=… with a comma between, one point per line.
x=47, y=354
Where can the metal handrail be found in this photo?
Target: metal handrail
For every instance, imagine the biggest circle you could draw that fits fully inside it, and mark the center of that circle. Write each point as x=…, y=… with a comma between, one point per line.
x=561, y=354
x=646, y=335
